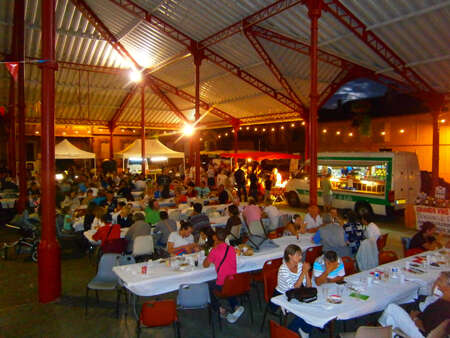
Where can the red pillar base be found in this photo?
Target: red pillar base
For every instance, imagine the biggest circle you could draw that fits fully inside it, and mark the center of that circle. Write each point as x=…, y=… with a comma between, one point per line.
x=49, y=263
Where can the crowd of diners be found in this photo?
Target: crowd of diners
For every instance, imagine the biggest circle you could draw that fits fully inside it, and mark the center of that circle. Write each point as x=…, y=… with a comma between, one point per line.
x=108, y=202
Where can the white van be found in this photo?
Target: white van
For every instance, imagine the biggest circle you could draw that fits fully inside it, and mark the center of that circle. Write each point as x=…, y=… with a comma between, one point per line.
x=366, y=182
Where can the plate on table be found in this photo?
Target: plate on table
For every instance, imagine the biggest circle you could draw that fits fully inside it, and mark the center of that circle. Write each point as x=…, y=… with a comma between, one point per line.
x=334, y=299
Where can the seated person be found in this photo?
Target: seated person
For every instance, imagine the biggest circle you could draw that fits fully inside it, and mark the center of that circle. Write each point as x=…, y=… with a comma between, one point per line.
x=335, y=216
x=191, y=192
x=89, y=197
x=294, y=274
x=198, y=219
x=138, y=228
x=202, y=190
x=181, y=241
x=206, y=238
x=223, y=257
x=234, y=223
x=110, y=203
x=152, y=212
x=67, y=225
x=89, y=216
x=332, y=237
x=328, y=268
x=296, y=226
x=270, y=211
x=425, y=239
x=125, y=218
x=158, y=192
x=116, y=212
x=354, y=232
x=164, y=228
x=419, y=324
x=222, y=194
x=107, y=231
x=236, y=202
x=252, y=215
x=179, y=196
x=372, y=231
x=312, y=219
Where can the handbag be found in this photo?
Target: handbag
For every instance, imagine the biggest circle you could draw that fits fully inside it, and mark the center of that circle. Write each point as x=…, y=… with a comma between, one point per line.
x=115, y=245
x=303, y=294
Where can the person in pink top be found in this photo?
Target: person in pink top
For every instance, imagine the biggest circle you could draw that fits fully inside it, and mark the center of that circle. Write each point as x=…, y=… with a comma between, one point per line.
x=223, y=257
x=252, y=212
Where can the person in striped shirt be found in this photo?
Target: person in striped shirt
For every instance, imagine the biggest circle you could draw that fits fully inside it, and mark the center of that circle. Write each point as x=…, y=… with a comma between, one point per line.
x=328, y=268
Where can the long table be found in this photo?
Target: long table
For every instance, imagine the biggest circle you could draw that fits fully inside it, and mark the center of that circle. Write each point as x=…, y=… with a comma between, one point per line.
x=381, y=294
x=163, y=279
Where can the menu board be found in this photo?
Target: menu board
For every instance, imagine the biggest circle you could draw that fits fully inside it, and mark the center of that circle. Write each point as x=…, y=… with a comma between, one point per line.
x=438, y=216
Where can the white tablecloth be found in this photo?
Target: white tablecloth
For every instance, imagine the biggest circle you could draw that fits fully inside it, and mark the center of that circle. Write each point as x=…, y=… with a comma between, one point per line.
x=89, y=233
x=163, y=279
x=381, y=293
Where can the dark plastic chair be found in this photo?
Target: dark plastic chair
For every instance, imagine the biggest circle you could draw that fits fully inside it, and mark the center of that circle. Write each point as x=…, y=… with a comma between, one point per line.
x=311, y=254
x=412, y=252
x=278, y=331
x=270, y=279
x=158, y=313
x=385, y=257
x=381, y=242
x=349, y=265
x=237, y=285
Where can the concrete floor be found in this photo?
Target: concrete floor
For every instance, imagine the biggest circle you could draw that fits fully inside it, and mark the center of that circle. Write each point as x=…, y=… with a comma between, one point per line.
x=22, y=316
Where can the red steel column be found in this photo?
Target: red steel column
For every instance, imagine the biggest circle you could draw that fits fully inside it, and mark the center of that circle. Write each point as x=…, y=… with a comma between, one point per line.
x=12, y=128
x=314, y=12
x=435, y=153
x=196, y=134
x=19, y=30
x=236, y=139
x=307, y=133
x=143, y=127
x=49, y=250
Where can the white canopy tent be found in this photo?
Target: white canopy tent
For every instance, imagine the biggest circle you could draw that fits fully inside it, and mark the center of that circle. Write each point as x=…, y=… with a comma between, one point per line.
x=154, y=149
x=66, y=150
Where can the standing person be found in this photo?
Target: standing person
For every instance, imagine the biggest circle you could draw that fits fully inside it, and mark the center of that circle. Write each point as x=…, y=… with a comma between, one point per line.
x=239, y=177
x=312, y=219
x=211, y=173
x=354, y=231
x=222, y=178
x=327, y=193
x=267, y=186
x=253, y=190
x=294, y=274
x=223, y=257
x=164, y=181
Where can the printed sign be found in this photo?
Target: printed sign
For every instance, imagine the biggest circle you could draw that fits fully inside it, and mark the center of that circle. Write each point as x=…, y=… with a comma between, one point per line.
x=438, y=216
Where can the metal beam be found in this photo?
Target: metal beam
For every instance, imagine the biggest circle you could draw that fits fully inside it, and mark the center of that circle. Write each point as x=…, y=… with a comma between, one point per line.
x=359, y=29
x=208, y=54
x=123, y=105
x=392, y=21
x=253, y=19
x=104, y=31
x=272, y=66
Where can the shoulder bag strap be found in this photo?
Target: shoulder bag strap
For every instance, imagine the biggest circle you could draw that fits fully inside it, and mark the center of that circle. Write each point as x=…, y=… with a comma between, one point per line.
x=109, y=233
x=223, y=259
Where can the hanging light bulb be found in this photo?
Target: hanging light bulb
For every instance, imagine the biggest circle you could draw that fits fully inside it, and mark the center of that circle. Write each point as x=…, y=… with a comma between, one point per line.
x=402, y=131
x=383, y=133
x=226, y=134
x=282, y=128
x=350, y=134
x=303, y=123
x=324, y=131
x=247, y=128
x=338, y=133
x=256, y=129
x=264, y=129
x=273, y=129
x=292, y=124
x=135, y=75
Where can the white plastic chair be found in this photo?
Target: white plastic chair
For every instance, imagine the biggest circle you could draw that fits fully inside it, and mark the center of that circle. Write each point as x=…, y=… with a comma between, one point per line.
x=143, y=245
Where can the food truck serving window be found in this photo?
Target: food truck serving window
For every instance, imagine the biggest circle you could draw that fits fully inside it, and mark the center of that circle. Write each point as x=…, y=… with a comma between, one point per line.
x=365, y=178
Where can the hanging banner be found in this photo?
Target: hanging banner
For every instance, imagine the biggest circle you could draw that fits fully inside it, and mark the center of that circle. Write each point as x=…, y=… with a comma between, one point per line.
x=13, y=69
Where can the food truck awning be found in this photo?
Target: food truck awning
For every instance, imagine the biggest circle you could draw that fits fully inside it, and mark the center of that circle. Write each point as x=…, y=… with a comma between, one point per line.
x=261, y=155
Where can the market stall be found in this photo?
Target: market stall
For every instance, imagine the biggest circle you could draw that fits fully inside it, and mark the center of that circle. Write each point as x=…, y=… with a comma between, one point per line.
x=65, y=150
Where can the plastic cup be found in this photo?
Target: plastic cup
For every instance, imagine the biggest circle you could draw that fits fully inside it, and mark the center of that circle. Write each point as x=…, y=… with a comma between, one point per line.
x=325, y=292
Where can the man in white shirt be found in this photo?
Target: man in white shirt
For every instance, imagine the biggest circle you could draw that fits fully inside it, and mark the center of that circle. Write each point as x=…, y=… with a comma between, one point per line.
x=272, y=213
x=312, y=219
x=182, y=241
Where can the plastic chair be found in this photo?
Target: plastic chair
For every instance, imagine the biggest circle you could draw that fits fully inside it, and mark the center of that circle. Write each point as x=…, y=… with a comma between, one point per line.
x=143, y=245
x=349, y=265
x=385, y=257
x=412, y=252
x=195, y=296
x=405, y=243
x=158, y=313
x=278, y=331
x=270, y=280
x=259, y=276
x=105, y=280
x=237, y=285
x=381, y=242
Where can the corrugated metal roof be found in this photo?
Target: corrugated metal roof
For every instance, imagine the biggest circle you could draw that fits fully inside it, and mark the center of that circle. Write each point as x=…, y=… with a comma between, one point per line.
x=417, y=30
